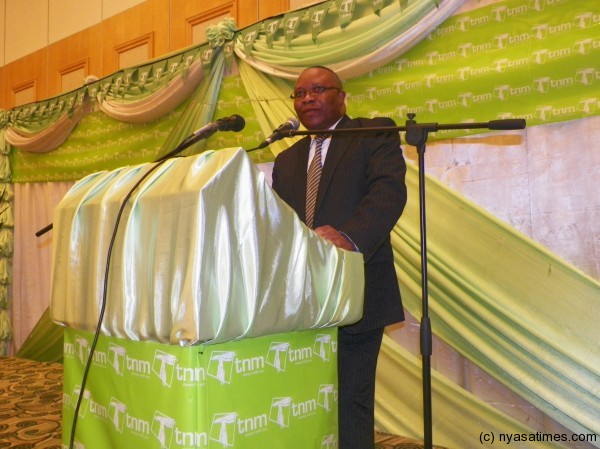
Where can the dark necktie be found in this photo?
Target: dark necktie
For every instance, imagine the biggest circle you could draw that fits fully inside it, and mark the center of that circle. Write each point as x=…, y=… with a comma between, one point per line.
x=312, y=181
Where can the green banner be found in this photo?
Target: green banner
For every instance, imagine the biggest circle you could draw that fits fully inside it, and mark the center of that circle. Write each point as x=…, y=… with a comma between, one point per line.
x=274, y=391
x=233, y=99
x=512, y=59
x=98, y=143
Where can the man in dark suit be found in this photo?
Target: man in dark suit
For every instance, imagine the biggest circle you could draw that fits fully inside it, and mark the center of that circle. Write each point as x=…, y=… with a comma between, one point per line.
x=361, y=195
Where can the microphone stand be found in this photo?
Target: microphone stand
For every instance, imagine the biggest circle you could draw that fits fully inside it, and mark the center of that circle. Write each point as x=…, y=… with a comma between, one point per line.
x=416, y=135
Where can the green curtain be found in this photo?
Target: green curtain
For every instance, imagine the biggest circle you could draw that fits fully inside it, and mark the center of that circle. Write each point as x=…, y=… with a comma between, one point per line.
x=6, y=243
x=504, y=302
x=460, y=419
x=45, y=342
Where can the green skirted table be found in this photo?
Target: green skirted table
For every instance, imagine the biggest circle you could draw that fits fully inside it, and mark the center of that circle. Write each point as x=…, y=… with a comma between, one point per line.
x=220, y=310
x=272, y=391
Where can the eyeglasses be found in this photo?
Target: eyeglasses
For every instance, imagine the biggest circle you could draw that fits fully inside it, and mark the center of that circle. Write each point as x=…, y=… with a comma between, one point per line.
x=317, y=90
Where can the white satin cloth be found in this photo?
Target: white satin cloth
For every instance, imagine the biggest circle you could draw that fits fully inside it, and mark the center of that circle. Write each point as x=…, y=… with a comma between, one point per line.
x=205, y=252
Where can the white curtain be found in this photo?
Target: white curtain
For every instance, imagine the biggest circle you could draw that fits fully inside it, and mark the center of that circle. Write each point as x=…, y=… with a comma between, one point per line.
x=34, y=206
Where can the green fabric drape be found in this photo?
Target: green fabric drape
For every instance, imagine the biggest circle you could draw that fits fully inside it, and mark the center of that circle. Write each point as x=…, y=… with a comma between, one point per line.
x=545, y=77
x=270, y=98
x=366, y=32
x=6, y=244
x=97, y=143
x=199, y=110
x=102, y=143
x=460, y=419
x=186, y=269
x=45, y=342
x=506, y=303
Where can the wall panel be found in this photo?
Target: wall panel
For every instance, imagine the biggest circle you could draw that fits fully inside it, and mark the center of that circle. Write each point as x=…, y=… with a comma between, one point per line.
x=120, y=31
x=30, y=70
x=80, y=49
x=187, y=17
x=3, y=88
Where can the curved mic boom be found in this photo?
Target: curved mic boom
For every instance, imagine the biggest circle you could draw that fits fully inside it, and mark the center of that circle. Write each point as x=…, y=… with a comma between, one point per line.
x=291, y=124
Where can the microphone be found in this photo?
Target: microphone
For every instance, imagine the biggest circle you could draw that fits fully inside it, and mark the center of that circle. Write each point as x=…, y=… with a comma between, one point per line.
x=232, y=123
x=511, y=123
x=291, y=124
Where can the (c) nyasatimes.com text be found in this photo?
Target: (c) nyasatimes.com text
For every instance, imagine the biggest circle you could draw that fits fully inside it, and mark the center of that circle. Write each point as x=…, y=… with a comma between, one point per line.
x=508, y=438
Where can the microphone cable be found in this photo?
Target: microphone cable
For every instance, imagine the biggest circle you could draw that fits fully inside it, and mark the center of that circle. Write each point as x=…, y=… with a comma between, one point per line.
x=104, y=297
x=233, y=123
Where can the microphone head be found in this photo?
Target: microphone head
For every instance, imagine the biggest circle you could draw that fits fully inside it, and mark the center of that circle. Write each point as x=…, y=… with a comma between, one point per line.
x=510, y=123
x=286, y=129
x=294, y=124
x=233, y=123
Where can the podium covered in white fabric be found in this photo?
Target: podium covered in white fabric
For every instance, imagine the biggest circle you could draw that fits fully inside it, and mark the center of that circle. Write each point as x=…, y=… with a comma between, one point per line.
x=220, y=309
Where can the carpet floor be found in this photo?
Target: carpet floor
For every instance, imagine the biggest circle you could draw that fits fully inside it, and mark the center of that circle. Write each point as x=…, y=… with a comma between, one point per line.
x=31, y=403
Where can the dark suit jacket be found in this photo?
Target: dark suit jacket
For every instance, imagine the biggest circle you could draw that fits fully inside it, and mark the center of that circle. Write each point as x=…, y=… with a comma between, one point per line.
x=361, y=193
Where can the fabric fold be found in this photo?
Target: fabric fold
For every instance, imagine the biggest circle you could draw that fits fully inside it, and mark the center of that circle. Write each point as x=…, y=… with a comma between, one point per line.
x=205, y=252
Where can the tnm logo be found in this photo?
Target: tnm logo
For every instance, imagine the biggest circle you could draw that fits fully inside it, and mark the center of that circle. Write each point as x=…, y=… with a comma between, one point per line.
x=121, y=362
x=137, y=425
x=327, y=395
x=162, y=429
x=317, y=16
x=85, y=400
x=222, y=429
x=116, y=413
x=346, y=6
x=277, y=355
x=280, y=411
x=220, y=366
x=324, y=346
x=226, y=426
x=283, y=409
x=164, y=366
x=250, y=37
x=223, y=364
x=80, y=349
x=116, y=358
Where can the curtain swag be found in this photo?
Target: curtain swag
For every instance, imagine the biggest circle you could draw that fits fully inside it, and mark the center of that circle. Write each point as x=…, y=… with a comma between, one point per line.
x=144, y=93
x=134, y=95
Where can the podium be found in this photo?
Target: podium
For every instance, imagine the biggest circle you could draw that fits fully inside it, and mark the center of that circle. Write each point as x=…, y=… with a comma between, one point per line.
x=220, y=310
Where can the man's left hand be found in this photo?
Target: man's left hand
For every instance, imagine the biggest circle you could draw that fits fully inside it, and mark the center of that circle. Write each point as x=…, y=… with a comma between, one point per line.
x=335, y=237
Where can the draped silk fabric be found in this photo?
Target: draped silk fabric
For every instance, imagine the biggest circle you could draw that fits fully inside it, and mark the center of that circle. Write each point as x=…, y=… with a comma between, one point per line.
x=205, y=252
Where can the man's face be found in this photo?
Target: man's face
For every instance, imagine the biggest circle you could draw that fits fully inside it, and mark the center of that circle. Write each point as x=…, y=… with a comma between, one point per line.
x=319, y=110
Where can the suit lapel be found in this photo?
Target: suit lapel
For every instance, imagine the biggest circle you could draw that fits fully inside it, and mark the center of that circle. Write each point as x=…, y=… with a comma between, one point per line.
x=337, y=148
